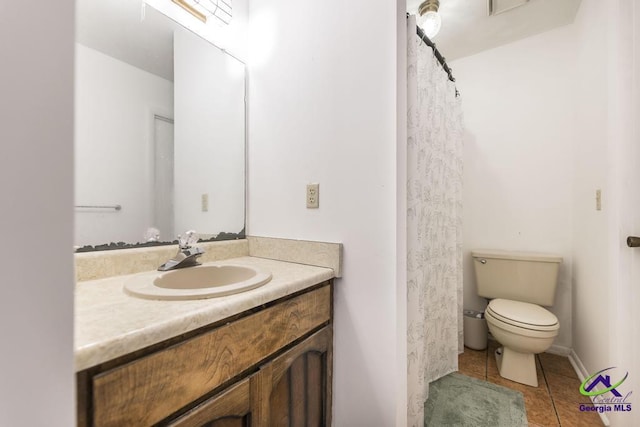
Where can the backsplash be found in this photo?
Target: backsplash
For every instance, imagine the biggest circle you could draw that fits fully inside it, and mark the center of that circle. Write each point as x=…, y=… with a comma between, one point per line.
x=321, y=254
x=103, y=264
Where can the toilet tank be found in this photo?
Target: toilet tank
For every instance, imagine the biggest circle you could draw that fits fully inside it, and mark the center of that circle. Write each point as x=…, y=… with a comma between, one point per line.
x=521, y=276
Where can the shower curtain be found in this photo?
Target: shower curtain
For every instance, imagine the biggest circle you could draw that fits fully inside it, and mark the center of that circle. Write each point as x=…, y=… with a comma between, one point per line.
x=434, y=224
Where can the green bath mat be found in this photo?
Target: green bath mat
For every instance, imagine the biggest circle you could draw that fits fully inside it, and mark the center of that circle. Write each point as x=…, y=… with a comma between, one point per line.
x=461, y=401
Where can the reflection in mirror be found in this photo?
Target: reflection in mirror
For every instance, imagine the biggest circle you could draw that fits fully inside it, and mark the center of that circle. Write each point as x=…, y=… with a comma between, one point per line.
x=159, y=130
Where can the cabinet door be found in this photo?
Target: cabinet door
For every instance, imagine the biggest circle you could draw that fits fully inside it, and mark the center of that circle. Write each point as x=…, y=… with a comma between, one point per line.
x=231, y=408
x=297, y=385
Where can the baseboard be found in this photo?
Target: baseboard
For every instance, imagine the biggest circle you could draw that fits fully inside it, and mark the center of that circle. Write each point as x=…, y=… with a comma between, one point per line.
x=582, y=372
x=560, y=350
x=578, y=366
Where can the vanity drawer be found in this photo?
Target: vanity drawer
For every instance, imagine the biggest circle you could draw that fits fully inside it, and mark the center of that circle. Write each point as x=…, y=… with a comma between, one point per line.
x=153, y=387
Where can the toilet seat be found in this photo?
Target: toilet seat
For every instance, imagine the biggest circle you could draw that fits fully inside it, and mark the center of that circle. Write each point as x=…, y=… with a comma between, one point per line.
x=522, y=315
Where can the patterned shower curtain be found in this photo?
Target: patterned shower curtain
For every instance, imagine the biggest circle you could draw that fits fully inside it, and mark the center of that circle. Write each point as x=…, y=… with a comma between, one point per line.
x=434, y=224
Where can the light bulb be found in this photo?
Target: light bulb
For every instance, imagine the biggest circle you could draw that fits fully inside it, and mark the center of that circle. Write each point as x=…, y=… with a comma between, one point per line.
x=430, y=23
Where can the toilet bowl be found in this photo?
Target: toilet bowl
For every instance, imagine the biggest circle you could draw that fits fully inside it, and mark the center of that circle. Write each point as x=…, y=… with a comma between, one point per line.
x=523, y=329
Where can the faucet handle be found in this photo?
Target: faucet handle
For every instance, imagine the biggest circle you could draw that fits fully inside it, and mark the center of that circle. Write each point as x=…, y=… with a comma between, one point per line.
x=190, y=238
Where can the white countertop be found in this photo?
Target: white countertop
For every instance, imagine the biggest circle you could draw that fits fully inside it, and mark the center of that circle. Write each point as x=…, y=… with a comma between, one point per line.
x=109, y=323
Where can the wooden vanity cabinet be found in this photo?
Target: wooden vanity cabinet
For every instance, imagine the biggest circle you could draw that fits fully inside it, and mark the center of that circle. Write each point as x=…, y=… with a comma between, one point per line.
x=269, y=367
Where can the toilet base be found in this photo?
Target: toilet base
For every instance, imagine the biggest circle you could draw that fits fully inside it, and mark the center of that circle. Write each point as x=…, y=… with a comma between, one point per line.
x=516, y=366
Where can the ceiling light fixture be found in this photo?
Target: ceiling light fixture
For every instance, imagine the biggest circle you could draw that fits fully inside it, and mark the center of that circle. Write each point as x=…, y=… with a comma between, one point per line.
x=429, y=19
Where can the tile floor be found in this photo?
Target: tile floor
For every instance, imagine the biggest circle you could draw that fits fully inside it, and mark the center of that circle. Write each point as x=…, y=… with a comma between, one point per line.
x=553, y=403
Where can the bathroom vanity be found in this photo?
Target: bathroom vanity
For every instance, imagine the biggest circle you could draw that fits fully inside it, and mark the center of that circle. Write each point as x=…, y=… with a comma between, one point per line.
x=259, y=358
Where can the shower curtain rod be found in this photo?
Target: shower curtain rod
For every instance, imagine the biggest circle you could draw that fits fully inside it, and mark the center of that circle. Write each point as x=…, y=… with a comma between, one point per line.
x=436, y=52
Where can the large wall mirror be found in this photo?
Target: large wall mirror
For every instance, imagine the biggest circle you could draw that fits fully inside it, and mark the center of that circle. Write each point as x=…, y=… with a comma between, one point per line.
x=159, y=130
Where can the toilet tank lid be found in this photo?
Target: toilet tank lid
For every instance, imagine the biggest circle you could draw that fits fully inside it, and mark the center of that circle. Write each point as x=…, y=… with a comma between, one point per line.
x=517, y=256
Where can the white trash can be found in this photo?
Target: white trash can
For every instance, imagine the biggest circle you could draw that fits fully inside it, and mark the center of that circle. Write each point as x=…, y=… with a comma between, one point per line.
x=475, y=330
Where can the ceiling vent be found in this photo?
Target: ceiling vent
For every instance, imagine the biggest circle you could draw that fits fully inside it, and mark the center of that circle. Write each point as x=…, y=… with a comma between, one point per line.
x=497, y=7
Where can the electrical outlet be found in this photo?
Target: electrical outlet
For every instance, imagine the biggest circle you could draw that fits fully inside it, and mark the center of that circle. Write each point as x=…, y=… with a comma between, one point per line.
x=313, y=196
x=205, y=202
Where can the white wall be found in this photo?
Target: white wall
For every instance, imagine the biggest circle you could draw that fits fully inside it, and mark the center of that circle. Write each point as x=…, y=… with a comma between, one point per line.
x=36, y=183
x=115, y=103
x=624, y=206
x=209, y=137
x=518, y=102
x=323, y=109
x=592, y=265
x=606, y=296
x=402, y=389
x=606, y=157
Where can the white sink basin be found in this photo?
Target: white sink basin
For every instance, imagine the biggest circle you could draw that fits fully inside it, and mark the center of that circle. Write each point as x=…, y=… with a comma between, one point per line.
x=205, y=281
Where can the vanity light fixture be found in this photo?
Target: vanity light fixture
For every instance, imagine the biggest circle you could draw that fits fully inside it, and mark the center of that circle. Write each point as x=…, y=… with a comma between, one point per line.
x=192, y=10
x=204, y=9
x=428, y=18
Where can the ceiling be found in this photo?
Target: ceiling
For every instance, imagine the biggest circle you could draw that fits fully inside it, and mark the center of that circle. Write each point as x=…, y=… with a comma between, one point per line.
x=117, y=28
x=468, y=29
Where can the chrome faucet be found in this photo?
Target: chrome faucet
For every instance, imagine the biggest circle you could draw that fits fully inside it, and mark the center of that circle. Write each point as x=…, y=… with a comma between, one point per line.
x=187, y=253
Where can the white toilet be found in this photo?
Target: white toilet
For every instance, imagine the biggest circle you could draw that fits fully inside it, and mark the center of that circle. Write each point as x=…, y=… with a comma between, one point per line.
x=518, y=284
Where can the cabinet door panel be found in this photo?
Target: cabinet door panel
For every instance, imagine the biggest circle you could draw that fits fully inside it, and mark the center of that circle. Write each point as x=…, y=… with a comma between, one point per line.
x=315, y=378
x=300, y=393
x=279, y=403
x=298, y=387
